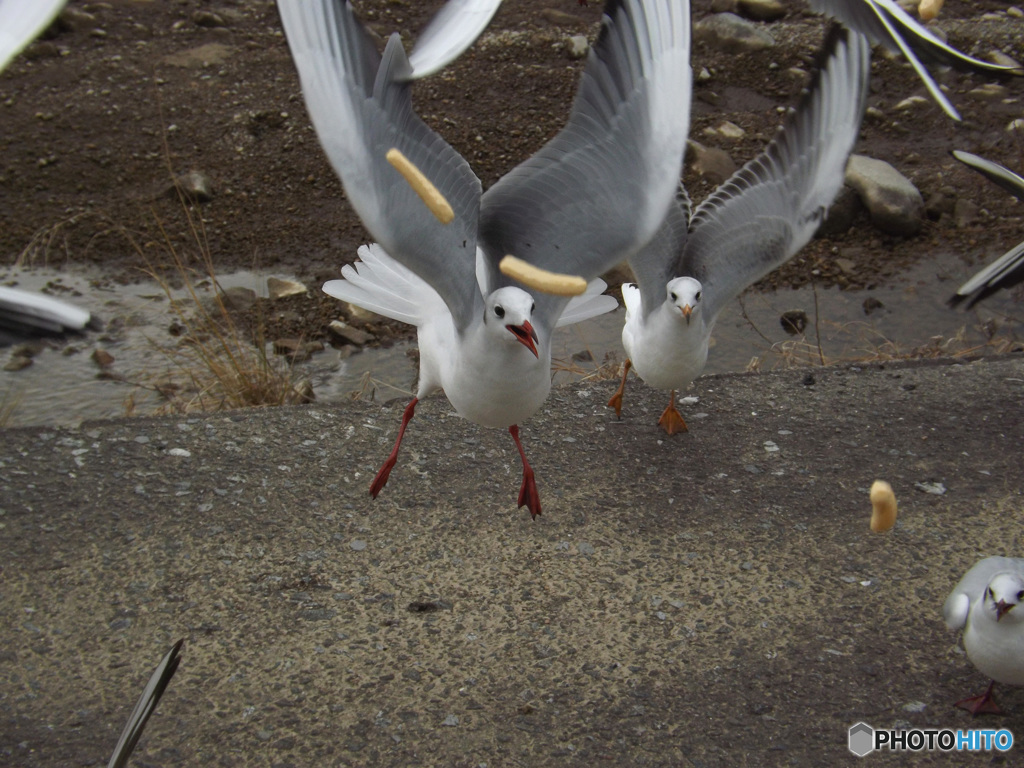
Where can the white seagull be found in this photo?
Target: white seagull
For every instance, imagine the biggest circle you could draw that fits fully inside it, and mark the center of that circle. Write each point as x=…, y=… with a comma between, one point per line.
x=26, y=313
x=591, y=197
x=750, y=225
x=886, y=24
x=1008, y=270
x=985, y=605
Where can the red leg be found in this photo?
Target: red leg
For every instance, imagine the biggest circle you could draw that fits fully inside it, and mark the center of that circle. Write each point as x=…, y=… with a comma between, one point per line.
x=616, y=399
x=984, y=704
x=671, y=421
x=382, y=474
x=528, y=490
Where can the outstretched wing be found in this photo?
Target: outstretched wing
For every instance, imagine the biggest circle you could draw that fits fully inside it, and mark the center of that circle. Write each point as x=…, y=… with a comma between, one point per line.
x=770, y=208
x=145, y=706
x=21, y=21
x=452, y=30
x=1008, y=270
x=359, y=102
x=594, y=194
x=885, y=23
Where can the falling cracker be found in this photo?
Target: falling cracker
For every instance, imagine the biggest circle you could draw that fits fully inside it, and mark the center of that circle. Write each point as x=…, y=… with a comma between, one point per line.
x=929, y=9
x=883, y=506
x=541, y=279
x=421, y=185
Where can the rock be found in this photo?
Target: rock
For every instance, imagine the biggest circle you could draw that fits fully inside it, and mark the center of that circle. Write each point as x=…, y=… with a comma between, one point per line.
x=762, y=10
x=711, y=163
x=302, y=392
x=194, y=185
x=793, y=321
x=102, y=358
x=965, y=213
x=895, y=205
x=356, y=312
x=297, y=350
x=724, y=6
x=17, y=362
x=346, y=334
x=911, y=102
x=577, y=46
x=988, y=92
x=728, y=32
x=841, y=213
x=726, y=130
x=846, y=266
x=560, y=18
x=1000, y=58
x=871, y=304
x=938, y=204
x=1016, y=125
x=238, y=298
x=211, y=54
x=207, y=19
x=278, y=288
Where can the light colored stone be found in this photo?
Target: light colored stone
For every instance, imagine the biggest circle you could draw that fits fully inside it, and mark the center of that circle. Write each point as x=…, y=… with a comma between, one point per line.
x=347, y=334
x=577, y=46
x=762, y=10
x=278, y=288
x=713, y=164
x=895, y=204
x=732, y=34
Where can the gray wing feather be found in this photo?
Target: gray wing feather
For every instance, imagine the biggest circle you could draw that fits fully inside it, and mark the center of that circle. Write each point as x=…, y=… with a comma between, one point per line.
x=452, y=30
x=654, y=264
x=598, y=191
x=145, y=706
x=770, y=208
x=360, y=105
x=886, y=24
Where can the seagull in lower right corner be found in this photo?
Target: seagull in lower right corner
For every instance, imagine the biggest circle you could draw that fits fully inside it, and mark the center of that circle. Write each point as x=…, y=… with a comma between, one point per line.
x=750, y=225
x=986, y=605
x=1008, y=270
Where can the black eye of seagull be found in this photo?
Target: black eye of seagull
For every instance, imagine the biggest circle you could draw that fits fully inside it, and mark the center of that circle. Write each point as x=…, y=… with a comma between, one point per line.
x=533, y=307
x=1020, y=595
x=697, y=297
x=673, y=295
x=499, y=311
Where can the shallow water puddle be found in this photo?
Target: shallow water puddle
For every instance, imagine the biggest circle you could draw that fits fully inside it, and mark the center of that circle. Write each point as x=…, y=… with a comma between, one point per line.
x=64, y=385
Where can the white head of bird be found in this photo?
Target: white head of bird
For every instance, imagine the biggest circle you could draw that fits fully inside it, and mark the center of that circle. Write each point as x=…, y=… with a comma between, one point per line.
x=507, y=317
x=1002, y=595
x=685, y=294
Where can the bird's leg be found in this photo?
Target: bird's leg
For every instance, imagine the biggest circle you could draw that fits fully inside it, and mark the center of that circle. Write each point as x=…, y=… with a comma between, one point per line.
x=671, y=420
x=528, y=490
x=382, y=474
x=984, y=704
x=616, y=400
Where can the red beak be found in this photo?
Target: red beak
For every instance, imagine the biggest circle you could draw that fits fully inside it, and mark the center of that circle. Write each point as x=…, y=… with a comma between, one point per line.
x=1003, y=608
x=526, y=336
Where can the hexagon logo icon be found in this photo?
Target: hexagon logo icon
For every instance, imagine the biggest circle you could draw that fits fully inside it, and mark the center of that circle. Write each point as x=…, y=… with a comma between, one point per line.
x=862, y=739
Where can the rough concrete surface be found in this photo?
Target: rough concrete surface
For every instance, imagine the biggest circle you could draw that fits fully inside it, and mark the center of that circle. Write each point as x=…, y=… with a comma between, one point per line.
x=716, y=598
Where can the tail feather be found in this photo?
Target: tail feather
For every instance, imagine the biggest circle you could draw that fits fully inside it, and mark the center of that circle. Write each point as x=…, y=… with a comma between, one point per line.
x=591, y=303
x=380, y=284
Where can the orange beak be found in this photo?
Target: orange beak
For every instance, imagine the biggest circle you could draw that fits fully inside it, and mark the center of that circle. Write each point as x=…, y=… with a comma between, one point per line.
x=526, y=336
x=687, y=310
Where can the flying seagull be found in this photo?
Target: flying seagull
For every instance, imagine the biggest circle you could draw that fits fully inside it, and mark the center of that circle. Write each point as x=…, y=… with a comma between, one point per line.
x=590, y=198
x=984, y=604
x=750, y=225
x=1008, y=270
x=886, y=24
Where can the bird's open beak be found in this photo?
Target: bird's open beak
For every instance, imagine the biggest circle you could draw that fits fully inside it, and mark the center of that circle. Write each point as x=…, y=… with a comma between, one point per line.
x=687, y=310
x=1003, y=608
x=526, y=336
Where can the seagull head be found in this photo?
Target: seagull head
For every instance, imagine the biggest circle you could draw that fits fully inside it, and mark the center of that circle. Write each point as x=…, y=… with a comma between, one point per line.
x=508, y=314
x=684, y=294
x=1003, y=593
